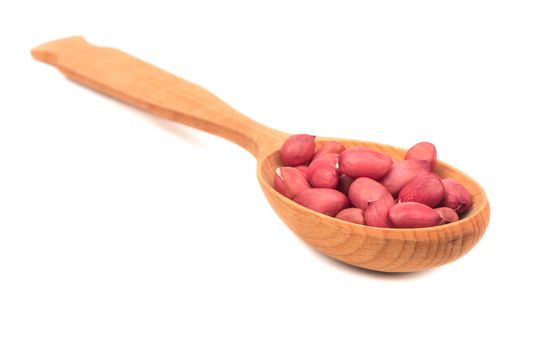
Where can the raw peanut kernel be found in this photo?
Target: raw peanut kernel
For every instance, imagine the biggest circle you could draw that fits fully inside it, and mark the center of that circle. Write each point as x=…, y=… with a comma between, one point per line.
x=323, y=172
x=426, y=189
x=362, y=162
x=323, y=200
x=403, y=172
x=297, y=150
x=413, y=215
x=329, y=147
x=354, y=215
x=328, y=158
x=456, y=196
x=447, y=215
x=290, y=181
x=323, y=176
x=423, y=151
x=377, y=212
x=365, y=190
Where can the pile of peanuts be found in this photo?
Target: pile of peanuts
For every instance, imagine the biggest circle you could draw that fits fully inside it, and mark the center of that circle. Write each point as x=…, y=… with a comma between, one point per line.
x=367, y=187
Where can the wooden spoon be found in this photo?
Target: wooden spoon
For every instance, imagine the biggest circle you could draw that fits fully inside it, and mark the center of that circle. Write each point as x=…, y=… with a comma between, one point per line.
x=142, y=85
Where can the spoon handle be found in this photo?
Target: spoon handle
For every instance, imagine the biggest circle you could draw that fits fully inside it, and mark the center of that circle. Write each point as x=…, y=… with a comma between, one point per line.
x=145, y=86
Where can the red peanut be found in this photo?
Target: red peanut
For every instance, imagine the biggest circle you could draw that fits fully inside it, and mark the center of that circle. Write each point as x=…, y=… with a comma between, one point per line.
x=327, y=158
x=323, y=176
x=423, y=151
x=364, y=162
x=426, y=189
x=403, y=172
x=323, y=172
x=413, y=215
x=329, y=147
x=290, y=181
x=323, y=200
x=456, y=196
x=365, y=190
x=447, y=215
x=297, y=150
x=377, y=212
x=354, y=215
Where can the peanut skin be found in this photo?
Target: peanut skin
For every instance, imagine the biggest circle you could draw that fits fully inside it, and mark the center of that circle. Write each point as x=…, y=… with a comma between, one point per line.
x=377, y=212
x=403, y=172
x=290, y=181
x=364, y=162
x=365, y=190
x=328, y=158
x=297, y=150
x=354, y=215
x=456, y=196
x=323, y=176
x=447, y=215
x=426, y=189
x=323, y=200
x=413, y=215
x=423, y=151
x=323, y=172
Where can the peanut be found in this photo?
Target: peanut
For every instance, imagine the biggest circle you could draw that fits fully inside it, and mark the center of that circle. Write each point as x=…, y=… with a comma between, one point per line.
x=403, y=172
x=447, y=215
x=423, y=151
x=426, y=189
x=290, y=182
x=354, y=215
x=323, y=176
x=329, y=147
x=365, y=190
x=377, y=212
x=456, y=196
x=297, y=150
x=413, y=215
x=323, y=200
x=364, y=162
x=323, y=172
x=327, y=158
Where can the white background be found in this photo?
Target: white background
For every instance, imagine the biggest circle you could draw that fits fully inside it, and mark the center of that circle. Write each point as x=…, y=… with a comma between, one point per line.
x=121, y=231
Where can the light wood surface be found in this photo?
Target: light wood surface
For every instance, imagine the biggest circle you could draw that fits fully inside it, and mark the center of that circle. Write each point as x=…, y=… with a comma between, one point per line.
x=140, y=84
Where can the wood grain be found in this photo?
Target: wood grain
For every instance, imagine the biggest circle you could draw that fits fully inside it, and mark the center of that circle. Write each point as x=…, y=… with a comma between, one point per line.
x=145, y=86
x=140, y=84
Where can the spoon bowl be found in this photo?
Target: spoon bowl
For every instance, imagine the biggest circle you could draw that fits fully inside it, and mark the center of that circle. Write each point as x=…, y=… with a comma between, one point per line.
x=140, y=84
x=375, y=248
